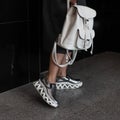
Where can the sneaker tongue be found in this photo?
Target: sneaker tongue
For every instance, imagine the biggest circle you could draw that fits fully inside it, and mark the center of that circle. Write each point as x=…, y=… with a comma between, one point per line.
x=65, y=78
x=52, y=85
x=53, y=89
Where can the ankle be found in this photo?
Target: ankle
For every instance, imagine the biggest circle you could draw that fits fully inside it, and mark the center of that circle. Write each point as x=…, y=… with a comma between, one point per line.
x=51, y=80
x=61, y=74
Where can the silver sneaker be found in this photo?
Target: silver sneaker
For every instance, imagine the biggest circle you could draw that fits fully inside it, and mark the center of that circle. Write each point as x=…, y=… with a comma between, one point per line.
x=68, y=83
x=46, y=91
x=65, y=82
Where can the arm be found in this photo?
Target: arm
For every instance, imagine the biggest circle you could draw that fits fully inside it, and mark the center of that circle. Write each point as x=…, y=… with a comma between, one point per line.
x=72, y=2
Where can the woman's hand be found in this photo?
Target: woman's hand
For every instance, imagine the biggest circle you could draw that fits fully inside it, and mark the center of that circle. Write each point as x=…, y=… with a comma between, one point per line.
x=73, y=2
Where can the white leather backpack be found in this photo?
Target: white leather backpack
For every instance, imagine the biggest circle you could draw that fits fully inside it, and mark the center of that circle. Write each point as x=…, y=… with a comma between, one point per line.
x=77, y=33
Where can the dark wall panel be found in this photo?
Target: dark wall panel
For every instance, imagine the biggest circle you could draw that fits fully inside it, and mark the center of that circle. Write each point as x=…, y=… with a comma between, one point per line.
x=14, y=53
x=14, y=43
x=13, y=10
x=20, y=42
x=107, y=33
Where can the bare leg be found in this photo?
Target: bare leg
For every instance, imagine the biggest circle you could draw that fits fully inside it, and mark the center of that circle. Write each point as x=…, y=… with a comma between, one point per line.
x=53, y=68
x=63, y=70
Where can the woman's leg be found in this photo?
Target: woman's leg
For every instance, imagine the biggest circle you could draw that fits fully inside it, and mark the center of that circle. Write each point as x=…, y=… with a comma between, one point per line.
x=62, y=70
x=46, y=86
x=53, y=68
x=64, y=81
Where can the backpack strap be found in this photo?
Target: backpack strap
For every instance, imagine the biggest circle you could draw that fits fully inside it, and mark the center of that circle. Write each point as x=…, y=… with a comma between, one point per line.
x=69, y=60
x=68, y=4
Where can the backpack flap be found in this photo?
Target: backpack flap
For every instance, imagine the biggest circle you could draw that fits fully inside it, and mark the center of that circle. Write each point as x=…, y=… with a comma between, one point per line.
x=85, y=12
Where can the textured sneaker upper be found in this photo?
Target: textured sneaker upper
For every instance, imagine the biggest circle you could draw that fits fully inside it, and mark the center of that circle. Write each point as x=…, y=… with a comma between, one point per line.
x=68, y=83
x=68, y=79
x=46, y=92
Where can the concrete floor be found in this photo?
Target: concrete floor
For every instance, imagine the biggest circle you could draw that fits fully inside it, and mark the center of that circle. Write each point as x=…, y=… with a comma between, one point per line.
x=98, y=99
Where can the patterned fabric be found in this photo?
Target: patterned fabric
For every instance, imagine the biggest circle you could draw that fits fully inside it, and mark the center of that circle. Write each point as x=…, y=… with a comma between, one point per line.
x=65, y=82
x=68, y=83
x=45, y=91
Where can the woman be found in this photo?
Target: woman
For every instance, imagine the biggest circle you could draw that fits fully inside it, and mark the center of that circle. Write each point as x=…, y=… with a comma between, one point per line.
x=56, y=77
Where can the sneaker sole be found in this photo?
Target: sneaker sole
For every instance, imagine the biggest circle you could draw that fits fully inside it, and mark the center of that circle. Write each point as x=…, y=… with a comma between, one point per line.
x=66, y=85
x=41, y=89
